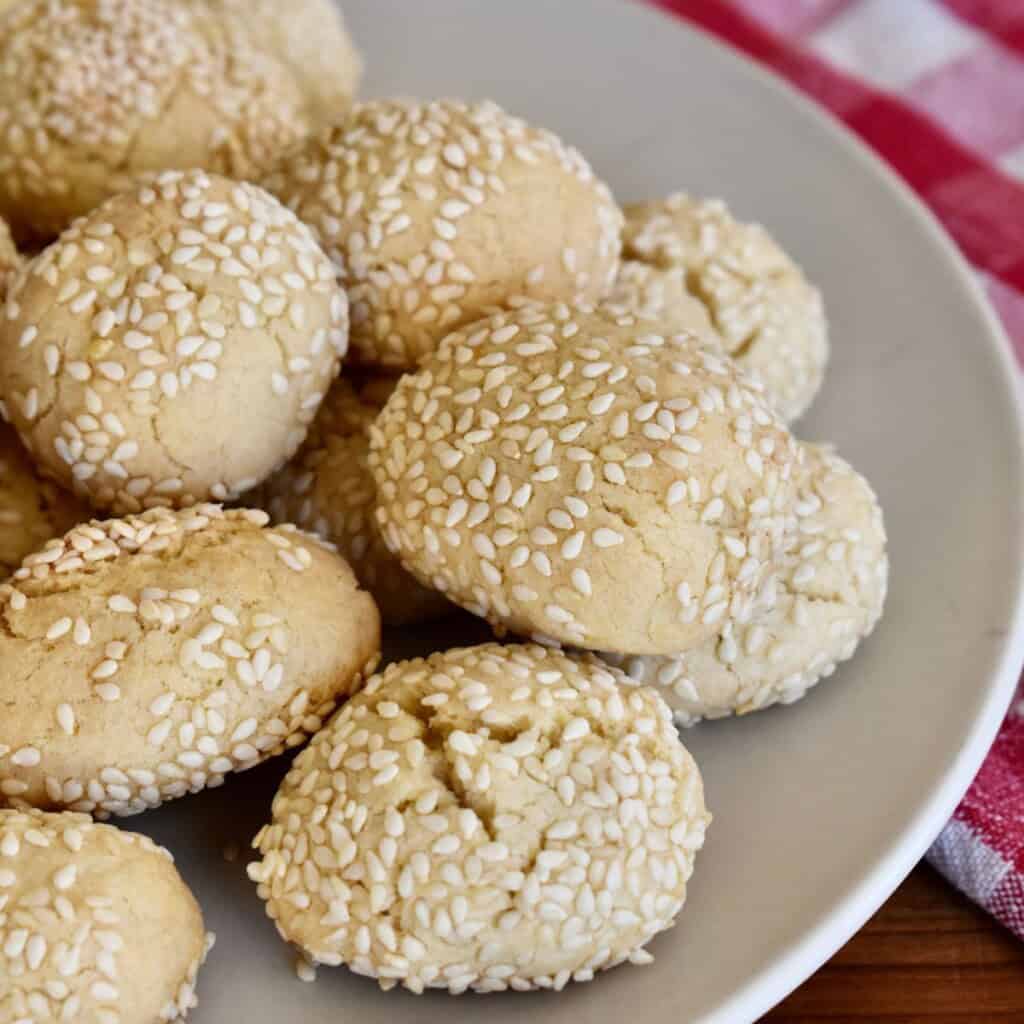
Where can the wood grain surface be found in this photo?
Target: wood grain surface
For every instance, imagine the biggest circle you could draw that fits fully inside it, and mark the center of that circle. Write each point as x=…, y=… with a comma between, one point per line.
x=929, y=956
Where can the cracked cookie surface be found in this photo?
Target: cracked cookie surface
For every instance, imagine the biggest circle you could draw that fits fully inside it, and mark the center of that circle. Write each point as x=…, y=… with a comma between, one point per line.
x=496, y=817
x=173, y=346
x=824, y=598
x=96, y=924
x=435, y=213
x=95, y=92
x=311, y=40
x=328, y=488
x=767, y=315
x=142, y=659
x=572, y=472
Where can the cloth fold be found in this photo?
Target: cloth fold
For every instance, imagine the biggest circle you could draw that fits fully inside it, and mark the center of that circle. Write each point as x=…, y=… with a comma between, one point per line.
x=936, y=87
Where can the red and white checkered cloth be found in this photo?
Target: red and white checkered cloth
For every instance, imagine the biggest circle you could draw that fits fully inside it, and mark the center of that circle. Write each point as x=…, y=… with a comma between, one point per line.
x=936, y=87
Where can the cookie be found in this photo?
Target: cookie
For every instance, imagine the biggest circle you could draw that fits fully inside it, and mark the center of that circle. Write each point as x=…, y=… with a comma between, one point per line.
x=435, y=212
x=32, y=509
x=311, y=40
x=574, y=473
x=173, y=346
x=93, y=92
x=489, y=818
x=813, y=612
x=10, y=258
x=96, y=924
x=329, y=490
x=175, y=648
x=771, y=319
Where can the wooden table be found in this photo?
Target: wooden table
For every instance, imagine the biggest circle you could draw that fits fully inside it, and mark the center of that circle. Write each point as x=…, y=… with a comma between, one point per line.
x=929, y=956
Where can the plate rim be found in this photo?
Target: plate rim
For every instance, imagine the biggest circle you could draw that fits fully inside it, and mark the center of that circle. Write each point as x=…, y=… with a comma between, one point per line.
x=784, y=974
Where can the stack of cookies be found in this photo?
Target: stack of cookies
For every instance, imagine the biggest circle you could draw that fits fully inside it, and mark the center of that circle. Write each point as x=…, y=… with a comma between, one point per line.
x=282, y=373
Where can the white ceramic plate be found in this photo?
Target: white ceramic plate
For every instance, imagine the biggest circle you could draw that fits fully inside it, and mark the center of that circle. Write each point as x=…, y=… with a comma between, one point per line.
x=822, y=808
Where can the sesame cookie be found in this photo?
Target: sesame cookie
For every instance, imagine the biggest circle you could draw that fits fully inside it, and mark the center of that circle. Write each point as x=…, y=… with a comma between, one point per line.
x=97, y=926
x=10, y=258
x=434, y=213
x=489, y=818
x=178, y=647
x=813, y=611
x=770, y=318
x=32, y=510
x=571, y=472
x=311, y=40
x=172, y=346
x=92, y=92
x=328, y=489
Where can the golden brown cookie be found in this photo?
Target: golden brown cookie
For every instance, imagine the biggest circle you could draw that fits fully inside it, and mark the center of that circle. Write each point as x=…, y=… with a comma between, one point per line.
x=175, y=648
x=825, y=597
x=770, y=318
x=579, y=474
x=486, y=819
x=436, y=212
x=93, y=92
x=328, y=489
x=97, y=924
x=173, y=346
x=311, y=40
x=32, y=509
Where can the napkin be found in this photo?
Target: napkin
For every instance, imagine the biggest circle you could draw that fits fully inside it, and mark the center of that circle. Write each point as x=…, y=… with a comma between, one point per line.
x=936, y=87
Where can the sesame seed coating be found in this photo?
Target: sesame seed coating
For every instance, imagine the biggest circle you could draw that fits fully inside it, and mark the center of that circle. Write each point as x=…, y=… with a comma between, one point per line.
x=10, y=258
x=770, y=318
x=328, y=489
x=96, y=924
x=571, y=472
x=178, y=647
x=93, y=92
x=436, y=213
x=823, y=599
x=491, y=818
x=173, y=346
x=310, y=39
x=32, y=510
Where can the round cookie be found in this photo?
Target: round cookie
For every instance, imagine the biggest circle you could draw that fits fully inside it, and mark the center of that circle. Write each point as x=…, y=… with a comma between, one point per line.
x=146, y=658
x=489, y=818
x=93, y=92
x=10, y=258
x=96, y=926
x=573, y=473
x=823, y=600
x=172, y=346
x=311, y=40
x=329, y=490
x=32, y=509
x=436, y=213
x=771, y=319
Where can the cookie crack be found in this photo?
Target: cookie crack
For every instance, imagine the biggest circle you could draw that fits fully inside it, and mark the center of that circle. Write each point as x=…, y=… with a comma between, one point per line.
x=435, y=739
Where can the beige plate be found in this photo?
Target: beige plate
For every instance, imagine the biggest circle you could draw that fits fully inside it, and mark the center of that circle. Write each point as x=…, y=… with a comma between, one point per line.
x=823, y=807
